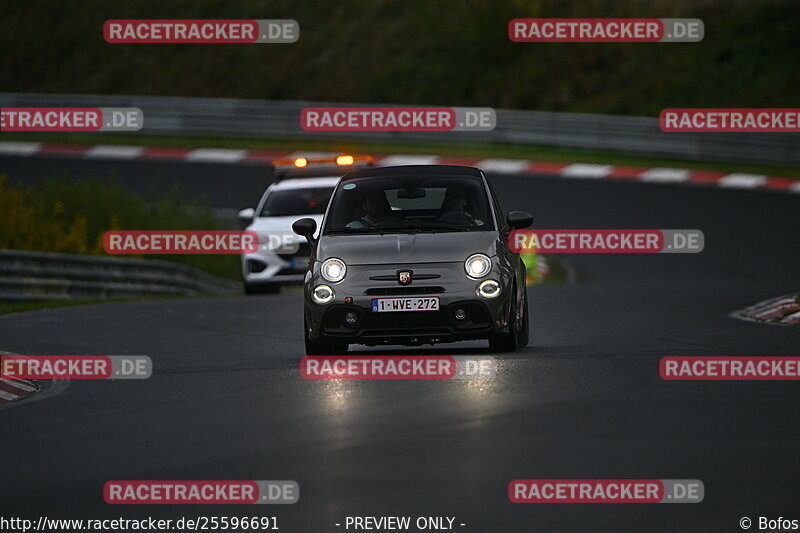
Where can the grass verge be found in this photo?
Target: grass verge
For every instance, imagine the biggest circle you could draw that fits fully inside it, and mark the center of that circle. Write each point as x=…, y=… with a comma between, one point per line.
x=72, y=217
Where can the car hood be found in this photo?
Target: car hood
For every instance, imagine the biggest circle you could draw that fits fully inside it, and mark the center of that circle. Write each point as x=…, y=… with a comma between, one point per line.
x=396, y=248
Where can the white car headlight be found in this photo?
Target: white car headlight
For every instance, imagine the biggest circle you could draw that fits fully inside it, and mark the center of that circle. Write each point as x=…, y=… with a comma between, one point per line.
x=489, y=289
x=322, y=294
x=477, y=265
x=333, y=270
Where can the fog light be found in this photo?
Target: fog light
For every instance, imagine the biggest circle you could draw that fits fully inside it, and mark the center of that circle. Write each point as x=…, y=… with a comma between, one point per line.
x=460, y=314
x=489, y=289
x=322, y=294
x=351, y=317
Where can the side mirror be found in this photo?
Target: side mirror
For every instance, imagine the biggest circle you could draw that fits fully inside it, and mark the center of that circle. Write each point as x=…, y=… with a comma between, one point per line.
x=246, y=216
x=519, y=219
x=305, y=227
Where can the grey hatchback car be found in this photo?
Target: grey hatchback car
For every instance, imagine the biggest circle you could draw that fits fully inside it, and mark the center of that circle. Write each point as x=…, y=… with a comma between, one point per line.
x=413, y=255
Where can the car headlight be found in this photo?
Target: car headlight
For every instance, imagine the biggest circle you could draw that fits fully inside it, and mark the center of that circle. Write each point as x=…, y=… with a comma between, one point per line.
x=489, y=289
x=477, y=265
x=334, y=269
x=322, y=294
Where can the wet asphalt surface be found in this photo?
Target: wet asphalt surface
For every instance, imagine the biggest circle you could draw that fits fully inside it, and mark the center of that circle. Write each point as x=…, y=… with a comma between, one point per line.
x=583, y=400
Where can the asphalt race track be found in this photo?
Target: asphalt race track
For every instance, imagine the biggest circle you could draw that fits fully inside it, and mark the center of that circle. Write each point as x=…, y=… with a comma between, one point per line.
x=584, y=400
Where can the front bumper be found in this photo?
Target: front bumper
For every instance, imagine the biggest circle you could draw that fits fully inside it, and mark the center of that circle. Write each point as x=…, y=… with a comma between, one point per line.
x=447, y=281
x=266, y=266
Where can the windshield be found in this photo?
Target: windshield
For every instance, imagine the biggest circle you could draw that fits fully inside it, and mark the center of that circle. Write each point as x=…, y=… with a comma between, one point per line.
x=290, y=202
x=410, y=204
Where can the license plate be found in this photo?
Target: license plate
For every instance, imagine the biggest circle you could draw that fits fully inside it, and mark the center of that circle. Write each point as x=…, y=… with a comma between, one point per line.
x=412, y=303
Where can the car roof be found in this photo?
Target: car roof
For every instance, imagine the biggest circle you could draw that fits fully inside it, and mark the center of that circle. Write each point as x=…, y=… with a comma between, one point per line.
x=305, y=183
x=419, y=170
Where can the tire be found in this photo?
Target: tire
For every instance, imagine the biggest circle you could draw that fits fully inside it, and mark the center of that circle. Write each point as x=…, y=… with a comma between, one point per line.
x=322, y=347
x=525, y=331
x=267, y=288
x=518, y=334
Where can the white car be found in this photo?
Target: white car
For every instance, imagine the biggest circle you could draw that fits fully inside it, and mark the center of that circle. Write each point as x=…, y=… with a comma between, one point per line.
x=302, y=189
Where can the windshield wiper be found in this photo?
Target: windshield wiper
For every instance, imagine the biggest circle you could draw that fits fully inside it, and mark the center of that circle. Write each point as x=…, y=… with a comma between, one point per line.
x=410, y=227
x=437, y=226
x=340, y=231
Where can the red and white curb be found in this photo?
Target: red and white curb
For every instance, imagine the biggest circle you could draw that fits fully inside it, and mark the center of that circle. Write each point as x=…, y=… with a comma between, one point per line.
x=674, y=176
x=782, y=310
x=14, y=389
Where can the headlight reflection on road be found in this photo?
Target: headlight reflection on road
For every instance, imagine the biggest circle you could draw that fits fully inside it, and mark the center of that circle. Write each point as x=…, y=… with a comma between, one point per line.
x=338, y=393
x=477, y=390
x=476, y=382
x=480, y=392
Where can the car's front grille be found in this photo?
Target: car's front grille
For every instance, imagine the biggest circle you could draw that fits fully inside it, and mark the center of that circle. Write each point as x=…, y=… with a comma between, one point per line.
x=254, y=267
x=418, y=320
x=403, y=291
x=371, y=324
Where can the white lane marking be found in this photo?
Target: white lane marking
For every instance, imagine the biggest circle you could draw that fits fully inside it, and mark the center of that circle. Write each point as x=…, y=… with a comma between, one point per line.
x=665, y=175
x=753, y=312
x=19, y=148
x=503, y=166
x=216, y=155
x=586, y=170
x=791, y=319
x=112, y=151
x=406, y=159
x=742, y=181
x=49, y=388
x=776, y=304
x=772, y=311
x=7, y=396
x=18, y=385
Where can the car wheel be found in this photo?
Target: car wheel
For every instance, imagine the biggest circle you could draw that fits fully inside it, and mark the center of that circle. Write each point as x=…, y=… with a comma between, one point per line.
x=251, y=289
x=525, y=330
x=518, y=333
x=322, y=347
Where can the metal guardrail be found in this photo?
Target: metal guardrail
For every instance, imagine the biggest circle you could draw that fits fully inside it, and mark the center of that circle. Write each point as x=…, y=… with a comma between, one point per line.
x=40, y=276
x=279, y=119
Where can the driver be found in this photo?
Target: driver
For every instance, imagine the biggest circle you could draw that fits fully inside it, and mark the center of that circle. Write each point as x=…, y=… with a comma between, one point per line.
x=454, y=208
x=376, y=211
